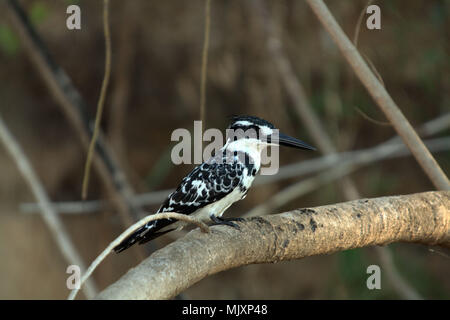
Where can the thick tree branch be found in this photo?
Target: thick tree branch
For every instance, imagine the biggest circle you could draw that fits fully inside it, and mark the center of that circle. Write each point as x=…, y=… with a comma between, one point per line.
x=420, y=218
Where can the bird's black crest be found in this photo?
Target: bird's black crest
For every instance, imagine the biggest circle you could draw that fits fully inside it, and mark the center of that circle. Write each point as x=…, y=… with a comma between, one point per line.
x=252, y=119
x=250, y=130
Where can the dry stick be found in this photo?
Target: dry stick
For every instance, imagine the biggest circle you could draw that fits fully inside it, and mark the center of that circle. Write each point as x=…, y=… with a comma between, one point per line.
x=442, y=254
x=149, y=198
x=122, y=87
x=101, y=100
x=205, y=62
x=74, y=107
x=122, y=81
x=382, y=151
x=50, y=217
x=417, y=218
x=356, y=37
x=368, y=118
x=355, y=42
x=127, y=232
x=301, y=102
x=374, y=70
x=381, y=96
x=436, y=125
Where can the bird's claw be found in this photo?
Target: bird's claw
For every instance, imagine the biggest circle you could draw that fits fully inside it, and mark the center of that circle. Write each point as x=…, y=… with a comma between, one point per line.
x=226, y=221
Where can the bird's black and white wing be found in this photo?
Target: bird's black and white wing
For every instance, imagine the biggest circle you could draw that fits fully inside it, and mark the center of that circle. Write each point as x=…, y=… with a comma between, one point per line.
x=206, y=184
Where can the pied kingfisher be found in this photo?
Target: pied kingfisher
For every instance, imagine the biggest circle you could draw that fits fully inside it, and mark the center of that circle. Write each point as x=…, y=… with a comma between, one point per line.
x=212, y=187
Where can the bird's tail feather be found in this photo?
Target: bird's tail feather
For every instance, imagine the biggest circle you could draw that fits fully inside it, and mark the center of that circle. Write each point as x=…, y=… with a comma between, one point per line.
x=144, y=234
x=133, y=238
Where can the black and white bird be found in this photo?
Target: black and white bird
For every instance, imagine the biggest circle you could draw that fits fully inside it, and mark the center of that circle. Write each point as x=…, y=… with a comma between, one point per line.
x=212, y=187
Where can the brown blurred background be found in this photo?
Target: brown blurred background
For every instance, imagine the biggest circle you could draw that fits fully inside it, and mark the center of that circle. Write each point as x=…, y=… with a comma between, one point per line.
x=155, y=81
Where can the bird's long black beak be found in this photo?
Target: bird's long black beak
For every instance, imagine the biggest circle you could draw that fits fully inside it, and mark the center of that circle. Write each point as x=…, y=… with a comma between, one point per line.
x=285, y=140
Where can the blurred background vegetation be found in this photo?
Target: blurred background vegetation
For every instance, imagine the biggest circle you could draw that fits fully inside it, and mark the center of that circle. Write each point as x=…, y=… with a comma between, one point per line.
x=155, y=89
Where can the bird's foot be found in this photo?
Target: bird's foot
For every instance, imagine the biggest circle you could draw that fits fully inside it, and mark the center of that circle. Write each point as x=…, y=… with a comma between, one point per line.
x=225, y=221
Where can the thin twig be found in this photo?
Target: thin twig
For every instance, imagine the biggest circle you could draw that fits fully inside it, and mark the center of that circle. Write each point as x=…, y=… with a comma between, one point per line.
x=442, y=254
x=101, y=100
x=48, y=214
x=377, y=122
x=127, y=232
x=75, y=207
x=381, y=96
x=122, y=86
x=358, y=24
x=374, y=70
x=372, y=66
x=205, y=62
x=434, y=126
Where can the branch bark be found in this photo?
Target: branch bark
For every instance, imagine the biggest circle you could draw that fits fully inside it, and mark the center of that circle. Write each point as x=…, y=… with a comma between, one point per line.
x=418, y=218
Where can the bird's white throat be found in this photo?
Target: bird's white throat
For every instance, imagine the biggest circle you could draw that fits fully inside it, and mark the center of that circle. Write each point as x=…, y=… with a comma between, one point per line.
x=252, y=147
